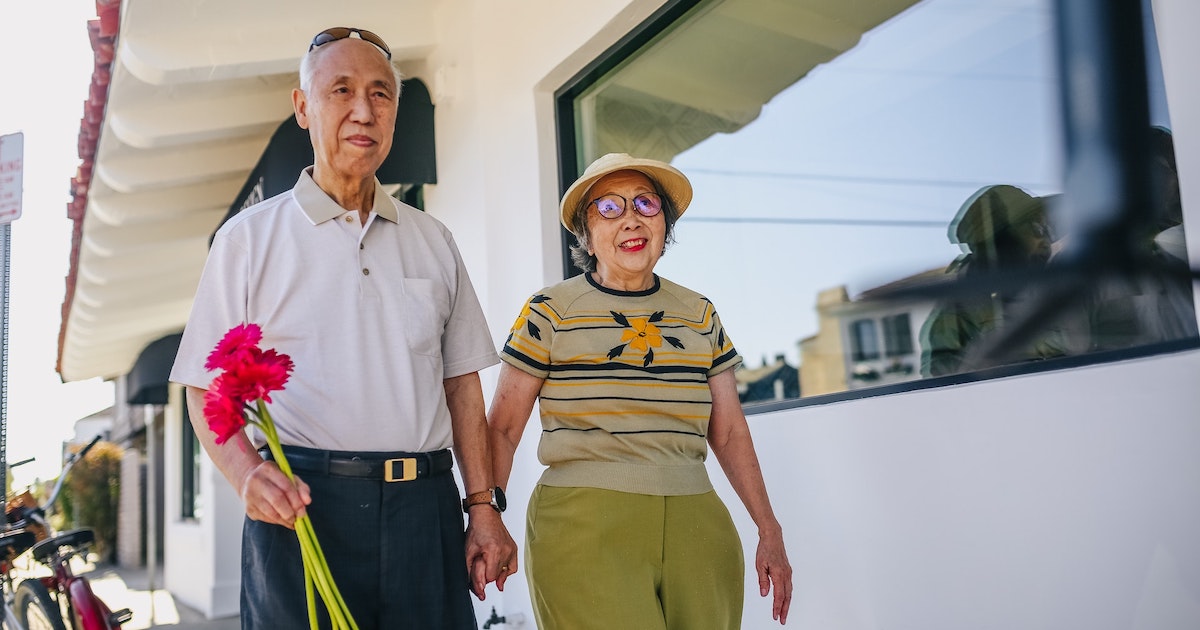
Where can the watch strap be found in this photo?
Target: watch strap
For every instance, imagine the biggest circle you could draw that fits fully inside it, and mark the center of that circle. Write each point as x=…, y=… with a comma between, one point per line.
x=483, y=497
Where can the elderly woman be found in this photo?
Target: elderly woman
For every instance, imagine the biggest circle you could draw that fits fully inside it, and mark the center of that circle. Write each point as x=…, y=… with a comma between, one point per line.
x=634, y=375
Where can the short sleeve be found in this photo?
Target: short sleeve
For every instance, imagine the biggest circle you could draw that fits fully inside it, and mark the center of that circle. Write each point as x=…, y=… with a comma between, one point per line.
x=467, y=344
x=529, y=340
x=724, y=355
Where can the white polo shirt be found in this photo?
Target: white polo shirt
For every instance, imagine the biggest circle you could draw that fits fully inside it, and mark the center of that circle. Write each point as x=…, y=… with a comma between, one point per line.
x=374, y=319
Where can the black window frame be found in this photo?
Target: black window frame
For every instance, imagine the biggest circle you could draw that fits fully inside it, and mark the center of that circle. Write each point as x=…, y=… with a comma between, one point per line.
x=189, y=478
x=859, y=331
x=897, y=338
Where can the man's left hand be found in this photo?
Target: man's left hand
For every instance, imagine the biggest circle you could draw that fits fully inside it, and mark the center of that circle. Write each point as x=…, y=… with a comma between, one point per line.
x=491, y=551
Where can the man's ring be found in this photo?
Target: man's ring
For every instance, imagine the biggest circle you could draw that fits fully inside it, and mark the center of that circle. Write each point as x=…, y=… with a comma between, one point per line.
x=504, y=567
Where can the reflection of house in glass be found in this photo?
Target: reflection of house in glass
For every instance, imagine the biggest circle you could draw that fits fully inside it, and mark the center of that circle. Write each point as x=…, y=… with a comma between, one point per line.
x=771, y=381
x=864, y=342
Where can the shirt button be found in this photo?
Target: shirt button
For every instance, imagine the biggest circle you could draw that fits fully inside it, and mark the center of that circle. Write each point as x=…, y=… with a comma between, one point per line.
x=349, y=219
x=360, y=246
x=366, y=272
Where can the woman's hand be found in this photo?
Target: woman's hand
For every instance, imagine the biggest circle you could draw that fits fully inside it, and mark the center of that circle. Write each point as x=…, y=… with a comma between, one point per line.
x=774, y=570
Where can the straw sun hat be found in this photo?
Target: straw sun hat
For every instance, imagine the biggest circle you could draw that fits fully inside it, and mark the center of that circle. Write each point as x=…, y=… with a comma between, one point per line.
x=674, y=183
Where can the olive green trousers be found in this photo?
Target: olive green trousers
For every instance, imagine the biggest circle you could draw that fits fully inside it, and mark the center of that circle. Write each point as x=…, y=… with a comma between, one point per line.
x=604, y=559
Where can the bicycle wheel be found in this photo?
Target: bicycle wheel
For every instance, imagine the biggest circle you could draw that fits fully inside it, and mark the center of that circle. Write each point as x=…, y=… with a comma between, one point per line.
x=36, y=610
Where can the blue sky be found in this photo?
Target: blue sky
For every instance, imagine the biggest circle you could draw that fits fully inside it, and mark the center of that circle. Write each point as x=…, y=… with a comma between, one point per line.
x=896, y=133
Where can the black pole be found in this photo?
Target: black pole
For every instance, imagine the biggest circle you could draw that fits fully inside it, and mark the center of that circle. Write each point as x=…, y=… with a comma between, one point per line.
x=1107, y=196
x=1106, y=122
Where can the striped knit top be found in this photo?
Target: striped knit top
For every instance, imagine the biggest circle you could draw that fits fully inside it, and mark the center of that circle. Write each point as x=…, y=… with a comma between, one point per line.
x=625, y=401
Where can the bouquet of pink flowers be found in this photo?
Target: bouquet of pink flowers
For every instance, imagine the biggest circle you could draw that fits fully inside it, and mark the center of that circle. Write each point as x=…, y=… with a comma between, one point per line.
x=239, y=394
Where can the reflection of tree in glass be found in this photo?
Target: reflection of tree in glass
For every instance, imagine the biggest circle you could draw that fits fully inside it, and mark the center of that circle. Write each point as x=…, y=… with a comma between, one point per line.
x=1000, y=227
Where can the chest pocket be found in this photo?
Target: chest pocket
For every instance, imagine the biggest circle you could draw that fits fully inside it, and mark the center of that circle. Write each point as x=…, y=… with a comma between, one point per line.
x=423, y=315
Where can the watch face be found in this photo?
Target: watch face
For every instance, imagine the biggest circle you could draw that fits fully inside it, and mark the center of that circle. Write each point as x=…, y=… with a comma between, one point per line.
x=498, y=496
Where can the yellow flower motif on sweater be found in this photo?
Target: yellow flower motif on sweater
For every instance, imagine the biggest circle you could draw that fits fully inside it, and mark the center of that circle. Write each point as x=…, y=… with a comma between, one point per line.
x=523, y=320
x=522, y=317
x=642, y=335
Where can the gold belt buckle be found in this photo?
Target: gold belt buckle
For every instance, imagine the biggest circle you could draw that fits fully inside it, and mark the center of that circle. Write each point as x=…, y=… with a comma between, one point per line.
x=408, y=469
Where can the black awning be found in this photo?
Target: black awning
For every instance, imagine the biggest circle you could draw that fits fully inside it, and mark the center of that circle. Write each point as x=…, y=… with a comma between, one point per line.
x=411, y=161
x=147, y=380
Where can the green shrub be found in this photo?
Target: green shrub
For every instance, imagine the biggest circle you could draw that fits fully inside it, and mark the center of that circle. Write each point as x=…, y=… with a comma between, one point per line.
x=93, y=488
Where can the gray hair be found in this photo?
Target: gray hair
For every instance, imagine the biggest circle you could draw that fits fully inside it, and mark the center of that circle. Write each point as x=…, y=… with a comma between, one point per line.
x=585, y=260
x=308, y=67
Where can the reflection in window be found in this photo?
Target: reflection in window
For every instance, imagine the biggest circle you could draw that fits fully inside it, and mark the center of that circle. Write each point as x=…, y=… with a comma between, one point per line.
x=840, y=150
x=864, y=343
x=897, y=336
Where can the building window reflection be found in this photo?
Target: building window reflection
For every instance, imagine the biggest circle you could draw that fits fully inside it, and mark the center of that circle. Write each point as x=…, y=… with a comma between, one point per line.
x=864, y=340
x=841, y=152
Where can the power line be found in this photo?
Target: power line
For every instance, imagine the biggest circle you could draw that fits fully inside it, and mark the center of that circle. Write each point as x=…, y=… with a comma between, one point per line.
x=820, y=221
x=859, y=179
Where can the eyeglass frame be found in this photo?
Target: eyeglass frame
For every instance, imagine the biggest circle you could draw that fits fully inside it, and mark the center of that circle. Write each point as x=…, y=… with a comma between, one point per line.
x=363, y=34
x=625, y=205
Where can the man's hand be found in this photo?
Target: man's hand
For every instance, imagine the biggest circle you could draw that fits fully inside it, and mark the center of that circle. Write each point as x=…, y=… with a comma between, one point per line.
x=269, y=496
x=491, y=552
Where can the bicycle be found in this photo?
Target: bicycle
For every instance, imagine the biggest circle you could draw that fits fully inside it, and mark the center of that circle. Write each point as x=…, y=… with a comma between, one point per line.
x=50, y=602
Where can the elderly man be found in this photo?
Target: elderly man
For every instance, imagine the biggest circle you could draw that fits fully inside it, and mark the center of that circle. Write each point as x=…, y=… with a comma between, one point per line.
x=1002, y=228
x=371, y=300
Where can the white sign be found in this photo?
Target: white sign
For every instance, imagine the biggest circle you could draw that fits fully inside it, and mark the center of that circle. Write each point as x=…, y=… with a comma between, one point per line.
x=12, y=156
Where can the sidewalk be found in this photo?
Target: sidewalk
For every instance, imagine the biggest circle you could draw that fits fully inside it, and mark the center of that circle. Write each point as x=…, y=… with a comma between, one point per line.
x=122, y=587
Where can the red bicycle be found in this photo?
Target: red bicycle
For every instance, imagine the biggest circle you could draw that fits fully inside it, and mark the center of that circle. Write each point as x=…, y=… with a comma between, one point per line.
x=53, y=601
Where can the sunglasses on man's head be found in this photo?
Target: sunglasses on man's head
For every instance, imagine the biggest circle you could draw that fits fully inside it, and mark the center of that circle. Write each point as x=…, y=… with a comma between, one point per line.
x=613, y=206
x=342, y=32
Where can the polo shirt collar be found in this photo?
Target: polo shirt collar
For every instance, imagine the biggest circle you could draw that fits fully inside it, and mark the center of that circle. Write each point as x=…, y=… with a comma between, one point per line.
x=319, y=207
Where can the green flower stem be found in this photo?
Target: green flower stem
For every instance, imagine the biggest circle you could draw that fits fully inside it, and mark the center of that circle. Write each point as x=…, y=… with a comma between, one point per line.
x=305, y=524
x=316, y=568
x=309, y=599
x=322, y=580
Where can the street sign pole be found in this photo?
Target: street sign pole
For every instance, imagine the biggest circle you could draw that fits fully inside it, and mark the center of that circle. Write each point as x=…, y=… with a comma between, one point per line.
x=5, y=275
x=12, y=157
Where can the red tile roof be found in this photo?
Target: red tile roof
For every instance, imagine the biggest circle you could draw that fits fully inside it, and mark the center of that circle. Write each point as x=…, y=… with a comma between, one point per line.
x=103, y=33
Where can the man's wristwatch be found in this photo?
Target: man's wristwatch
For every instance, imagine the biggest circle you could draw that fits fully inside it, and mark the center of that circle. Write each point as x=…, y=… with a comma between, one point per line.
x=493, y=497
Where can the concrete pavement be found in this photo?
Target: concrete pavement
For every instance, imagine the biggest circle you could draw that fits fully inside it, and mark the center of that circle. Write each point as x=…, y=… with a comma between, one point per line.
x=122, y=587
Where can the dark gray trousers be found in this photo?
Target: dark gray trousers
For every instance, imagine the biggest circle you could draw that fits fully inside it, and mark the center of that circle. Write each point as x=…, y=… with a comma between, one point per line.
x=396, y=551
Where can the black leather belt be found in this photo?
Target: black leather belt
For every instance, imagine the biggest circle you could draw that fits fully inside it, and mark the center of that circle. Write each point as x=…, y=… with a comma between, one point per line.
x=389, y=467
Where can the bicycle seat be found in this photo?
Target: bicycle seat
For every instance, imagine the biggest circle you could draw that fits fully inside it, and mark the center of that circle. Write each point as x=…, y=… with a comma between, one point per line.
x=13, y=544
x=73, y=538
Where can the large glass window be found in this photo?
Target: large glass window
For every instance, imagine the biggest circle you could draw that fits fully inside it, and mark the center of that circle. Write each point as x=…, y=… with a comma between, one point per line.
x=841, y=149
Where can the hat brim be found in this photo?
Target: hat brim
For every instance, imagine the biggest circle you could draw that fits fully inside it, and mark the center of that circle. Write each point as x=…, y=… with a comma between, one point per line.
x=992, y=210
x=673, y=183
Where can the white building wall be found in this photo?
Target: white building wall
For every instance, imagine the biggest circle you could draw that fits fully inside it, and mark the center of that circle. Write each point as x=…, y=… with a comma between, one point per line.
x=202, y=557
x=1042, y=502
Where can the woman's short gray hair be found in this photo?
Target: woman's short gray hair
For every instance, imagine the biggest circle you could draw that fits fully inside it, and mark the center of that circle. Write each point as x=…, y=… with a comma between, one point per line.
x=308, y=67
x=585, y=260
